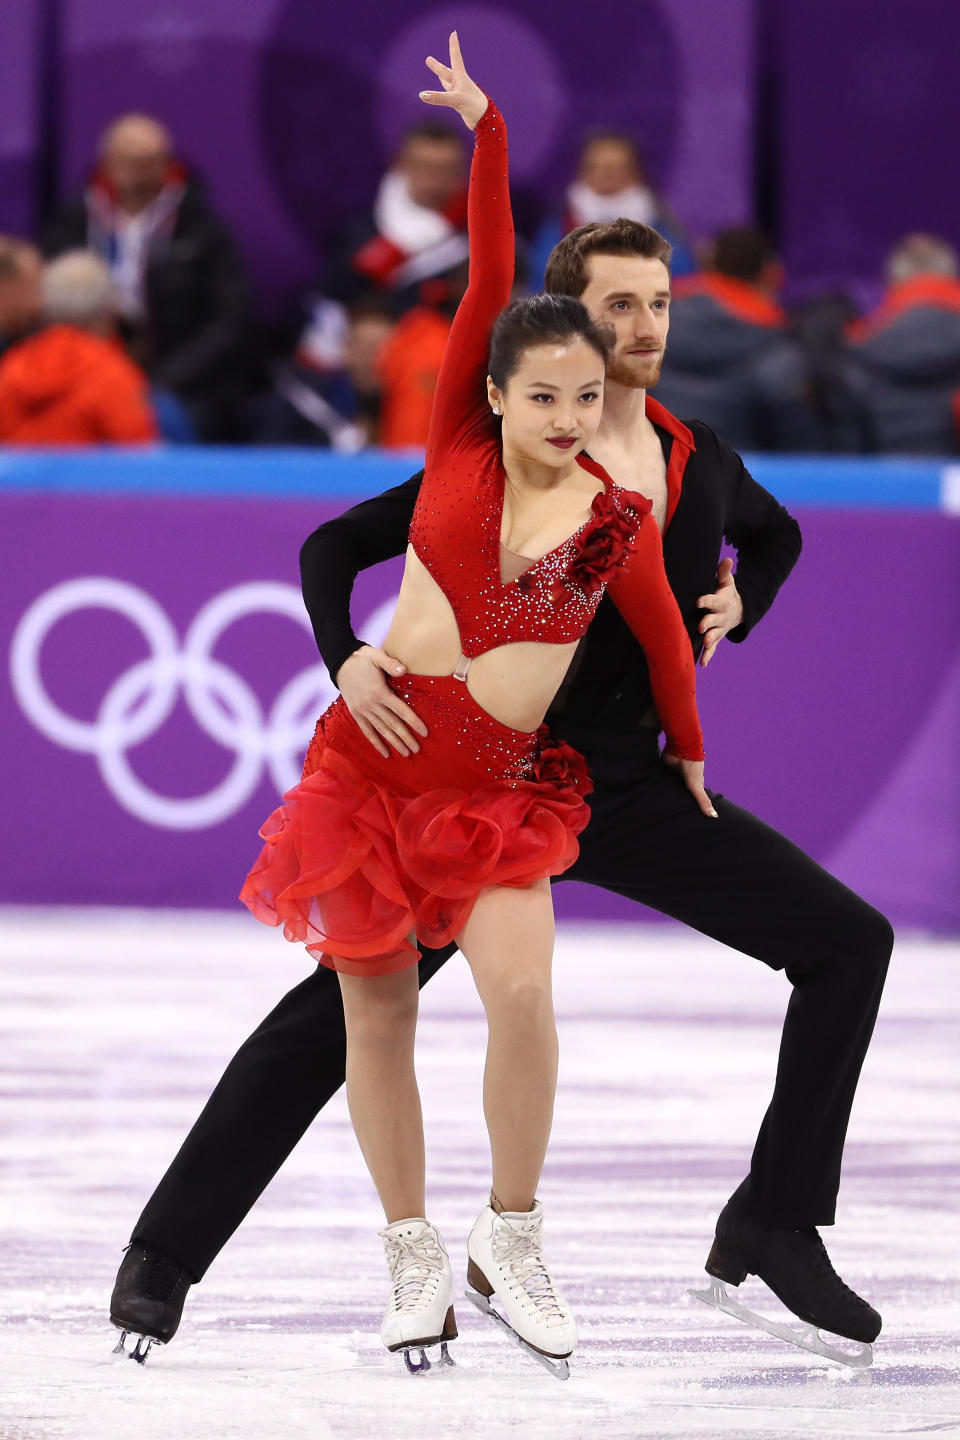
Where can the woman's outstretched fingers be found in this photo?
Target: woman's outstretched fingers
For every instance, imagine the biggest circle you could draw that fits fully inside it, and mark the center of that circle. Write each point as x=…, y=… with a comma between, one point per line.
x=443, y=72
x=459, y=92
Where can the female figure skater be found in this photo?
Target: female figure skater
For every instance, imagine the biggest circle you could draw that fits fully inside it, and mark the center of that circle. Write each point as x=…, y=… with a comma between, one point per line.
x=515, y=537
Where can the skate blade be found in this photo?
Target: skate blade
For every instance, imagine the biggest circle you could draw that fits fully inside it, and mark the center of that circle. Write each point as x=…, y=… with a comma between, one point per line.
x=421, y=1366
x=140, y=1351
x=807, y=1337
x=559, y=1369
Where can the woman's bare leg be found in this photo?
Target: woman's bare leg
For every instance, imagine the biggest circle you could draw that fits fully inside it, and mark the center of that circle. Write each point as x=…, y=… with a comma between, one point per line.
x=508, y=942
x=382, y=1094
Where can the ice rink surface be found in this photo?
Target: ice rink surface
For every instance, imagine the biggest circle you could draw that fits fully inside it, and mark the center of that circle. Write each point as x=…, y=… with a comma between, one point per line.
x=115, y=1026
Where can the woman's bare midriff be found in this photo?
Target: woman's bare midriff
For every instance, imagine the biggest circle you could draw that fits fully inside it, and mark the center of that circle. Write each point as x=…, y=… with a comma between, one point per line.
x=513, y=683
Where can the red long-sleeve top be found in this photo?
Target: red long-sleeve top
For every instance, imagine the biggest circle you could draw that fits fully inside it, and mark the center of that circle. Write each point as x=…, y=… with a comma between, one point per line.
x=457, y=521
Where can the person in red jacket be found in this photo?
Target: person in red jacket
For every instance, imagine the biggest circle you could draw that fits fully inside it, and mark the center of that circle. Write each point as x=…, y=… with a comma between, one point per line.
x=902, y=361
x=73, y=384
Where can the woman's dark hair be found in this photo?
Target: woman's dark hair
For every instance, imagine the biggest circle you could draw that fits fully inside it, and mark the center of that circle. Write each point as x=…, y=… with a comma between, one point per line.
x=541, y=320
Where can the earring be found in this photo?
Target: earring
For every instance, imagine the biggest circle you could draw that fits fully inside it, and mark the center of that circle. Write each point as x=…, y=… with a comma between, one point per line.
x=496, y=409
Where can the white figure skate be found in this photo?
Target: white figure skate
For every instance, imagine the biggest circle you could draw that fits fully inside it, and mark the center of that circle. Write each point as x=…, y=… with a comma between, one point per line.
x=505, y=1261
x=420, y=1309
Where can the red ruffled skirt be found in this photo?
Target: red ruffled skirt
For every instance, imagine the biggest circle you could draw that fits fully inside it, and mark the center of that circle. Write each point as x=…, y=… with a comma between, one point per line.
x=368, y=851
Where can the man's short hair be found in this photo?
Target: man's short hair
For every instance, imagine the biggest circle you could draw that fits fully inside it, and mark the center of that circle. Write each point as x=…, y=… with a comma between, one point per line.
x=78, y=290
x=433, y=130
x=920, y=255
x=743, y=252
x=567, y=268
x=602, y=136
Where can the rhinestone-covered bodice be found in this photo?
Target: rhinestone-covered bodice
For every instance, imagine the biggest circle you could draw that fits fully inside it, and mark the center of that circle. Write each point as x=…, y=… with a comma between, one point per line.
x=455, y=533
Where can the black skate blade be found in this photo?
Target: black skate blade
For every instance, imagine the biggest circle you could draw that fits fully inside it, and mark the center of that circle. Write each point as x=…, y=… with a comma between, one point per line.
x=559, y=1369
x=804, y=1335
x=421, y=1366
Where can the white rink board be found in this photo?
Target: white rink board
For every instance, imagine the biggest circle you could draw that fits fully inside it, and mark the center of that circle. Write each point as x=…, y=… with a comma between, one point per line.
x=115, y=1026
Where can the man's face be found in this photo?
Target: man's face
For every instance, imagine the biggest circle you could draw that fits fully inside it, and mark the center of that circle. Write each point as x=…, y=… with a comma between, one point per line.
x=631, y=294
x=21, y=299
x=435, y=171
x=363, y=346
x=136, y=167
x=608, y=166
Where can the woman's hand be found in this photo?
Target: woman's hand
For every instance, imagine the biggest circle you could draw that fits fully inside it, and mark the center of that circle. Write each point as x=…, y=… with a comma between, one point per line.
x=692, y=772
x=380, y=713
x=459, y=92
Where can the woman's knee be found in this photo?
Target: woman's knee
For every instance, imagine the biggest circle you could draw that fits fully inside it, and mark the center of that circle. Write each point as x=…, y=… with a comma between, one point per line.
x=379, y=1010
x=521, y=1000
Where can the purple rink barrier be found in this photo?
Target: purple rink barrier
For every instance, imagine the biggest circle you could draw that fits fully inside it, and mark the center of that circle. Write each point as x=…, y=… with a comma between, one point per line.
x=163, y=683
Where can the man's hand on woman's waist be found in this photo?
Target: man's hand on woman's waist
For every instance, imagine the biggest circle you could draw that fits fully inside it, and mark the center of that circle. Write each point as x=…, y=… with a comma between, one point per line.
x=381, y=715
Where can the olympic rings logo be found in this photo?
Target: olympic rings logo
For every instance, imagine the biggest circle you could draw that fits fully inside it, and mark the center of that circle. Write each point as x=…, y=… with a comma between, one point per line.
x=141, y=700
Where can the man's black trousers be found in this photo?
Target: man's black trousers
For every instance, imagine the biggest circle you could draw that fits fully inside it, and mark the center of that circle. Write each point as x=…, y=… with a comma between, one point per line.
x=733, y=878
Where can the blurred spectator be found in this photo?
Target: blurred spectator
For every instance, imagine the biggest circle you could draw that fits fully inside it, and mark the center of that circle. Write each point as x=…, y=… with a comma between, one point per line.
x=730, y=359
x=331, y=394
x=411, y=360
x=20, y=297
x=72, y=384
x=417, y=229
x=903, y=361
x=182, y=293
x=820, y=324
x=611, y=182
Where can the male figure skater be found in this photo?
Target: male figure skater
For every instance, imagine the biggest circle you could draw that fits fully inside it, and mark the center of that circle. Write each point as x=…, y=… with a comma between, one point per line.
x=732, y=877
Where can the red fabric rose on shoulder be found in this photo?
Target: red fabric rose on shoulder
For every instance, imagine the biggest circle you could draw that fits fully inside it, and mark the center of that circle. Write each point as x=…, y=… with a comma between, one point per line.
x=606, y=540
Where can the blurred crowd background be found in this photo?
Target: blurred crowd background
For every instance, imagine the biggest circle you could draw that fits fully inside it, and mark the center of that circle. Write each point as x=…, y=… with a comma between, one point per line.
x=135, y=308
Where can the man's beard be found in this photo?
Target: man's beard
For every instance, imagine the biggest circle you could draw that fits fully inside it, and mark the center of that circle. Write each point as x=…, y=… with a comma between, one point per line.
x=632, y=375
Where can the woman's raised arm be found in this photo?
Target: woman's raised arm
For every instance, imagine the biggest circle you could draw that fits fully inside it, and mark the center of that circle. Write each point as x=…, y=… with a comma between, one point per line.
x=461, y=412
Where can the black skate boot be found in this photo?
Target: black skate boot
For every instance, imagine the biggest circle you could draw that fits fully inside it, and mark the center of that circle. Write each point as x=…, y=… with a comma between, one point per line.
x=147, y=1299
x=796, y=1267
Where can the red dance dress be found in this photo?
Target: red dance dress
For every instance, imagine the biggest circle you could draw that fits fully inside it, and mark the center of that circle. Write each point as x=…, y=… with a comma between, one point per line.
x=367, y=852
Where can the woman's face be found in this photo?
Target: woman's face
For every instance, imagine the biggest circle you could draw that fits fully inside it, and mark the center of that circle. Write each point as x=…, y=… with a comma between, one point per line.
x=551, y=404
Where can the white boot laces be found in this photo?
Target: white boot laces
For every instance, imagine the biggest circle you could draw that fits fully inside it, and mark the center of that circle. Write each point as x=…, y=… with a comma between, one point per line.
x=518, y=1252
x=414, y=1264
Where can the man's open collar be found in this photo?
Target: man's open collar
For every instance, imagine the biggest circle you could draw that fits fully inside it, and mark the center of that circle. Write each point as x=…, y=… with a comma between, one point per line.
x=659, y=415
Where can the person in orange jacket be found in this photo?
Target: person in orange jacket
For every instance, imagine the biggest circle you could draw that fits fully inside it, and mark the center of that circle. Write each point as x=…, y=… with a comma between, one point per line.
x=410, y=362
x=73, y=384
